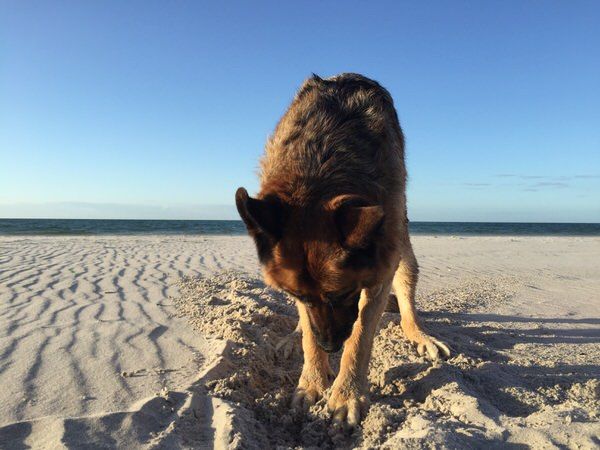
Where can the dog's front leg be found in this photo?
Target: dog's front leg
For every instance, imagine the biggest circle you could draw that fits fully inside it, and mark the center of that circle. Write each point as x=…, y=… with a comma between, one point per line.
x=348, y=400
x=316, y=373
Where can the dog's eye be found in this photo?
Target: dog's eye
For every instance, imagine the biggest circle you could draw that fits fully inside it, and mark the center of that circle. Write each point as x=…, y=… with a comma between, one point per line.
x=332, y=297
x=309, y=302
x=302, y=298
x=292, y=294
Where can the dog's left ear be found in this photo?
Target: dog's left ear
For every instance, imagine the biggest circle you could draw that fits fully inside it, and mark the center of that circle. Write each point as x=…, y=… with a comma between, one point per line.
x=261, y=216
x=358, y=224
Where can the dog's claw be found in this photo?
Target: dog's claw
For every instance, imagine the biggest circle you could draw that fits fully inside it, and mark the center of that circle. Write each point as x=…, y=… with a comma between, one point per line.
x=434, y=348
x=304, y=399
x=339, y=417
x=354, y=413
x=424, y=343
x=347, y=412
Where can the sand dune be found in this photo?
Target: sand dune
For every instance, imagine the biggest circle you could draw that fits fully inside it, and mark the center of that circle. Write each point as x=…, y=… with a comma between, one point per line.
x=101, y=343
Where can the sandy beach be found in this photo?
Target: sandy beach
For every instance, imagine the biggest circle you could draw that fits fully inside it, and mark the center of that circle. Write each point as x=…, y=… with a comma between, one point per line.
x=172, y=342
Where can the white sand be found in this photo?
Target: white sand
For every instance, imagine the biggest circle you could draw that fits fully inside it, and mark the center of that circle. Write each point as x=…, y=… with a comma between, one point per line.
x=92, y=350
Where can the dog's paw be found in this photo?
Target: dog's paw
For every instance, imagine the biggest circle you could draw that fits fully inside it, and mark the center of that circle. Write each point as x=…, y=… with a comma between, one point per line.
x=305, y=397
x=429, y=345
x=311, y=387
x=348, y=406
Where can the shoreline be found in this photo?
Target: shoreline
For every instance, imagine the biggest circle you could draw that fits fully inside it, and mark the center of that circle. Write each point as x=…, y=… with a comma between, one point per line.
x=99, y=227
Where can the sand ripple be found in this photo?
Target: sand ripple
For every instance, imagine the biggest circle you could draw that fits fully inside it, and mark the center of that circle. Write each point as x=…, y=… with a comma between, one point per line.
x=88, y=337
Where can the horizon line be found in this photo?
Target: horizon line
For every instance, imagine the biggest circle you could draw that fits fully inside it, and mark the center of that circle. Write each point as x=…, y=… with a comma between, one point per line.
x=239, y=220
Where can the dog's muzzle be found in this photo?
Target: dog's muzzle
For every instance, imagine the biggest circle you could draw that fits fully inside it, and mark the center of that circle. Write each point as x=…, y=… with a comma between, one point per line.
x=331, y=347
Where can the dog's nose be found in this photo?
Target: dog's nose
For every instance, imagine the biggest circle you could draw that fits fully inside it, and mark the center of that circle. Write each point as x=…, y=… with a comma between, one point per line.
x=331, y=347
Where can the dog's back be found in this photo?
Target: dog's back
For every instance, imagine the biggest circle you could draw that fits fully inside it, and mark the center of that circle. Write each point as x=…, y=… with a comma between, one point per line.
x=340, y=136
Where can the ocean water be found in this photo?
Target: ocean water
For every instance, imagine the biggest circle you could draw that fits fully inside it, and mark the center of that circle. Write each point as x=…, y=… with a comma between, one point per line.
x=49, y=227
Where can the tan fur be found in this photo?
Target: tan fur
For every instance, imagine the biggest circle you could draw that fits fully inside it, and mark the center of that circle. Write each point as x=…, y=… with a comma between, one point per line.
x=331, y=229
x=316, y=374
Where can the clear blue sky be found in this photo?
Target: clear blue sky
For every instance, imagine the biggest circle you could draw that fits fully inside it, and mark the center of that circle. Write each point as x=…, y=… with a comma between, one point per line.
x=161, y=109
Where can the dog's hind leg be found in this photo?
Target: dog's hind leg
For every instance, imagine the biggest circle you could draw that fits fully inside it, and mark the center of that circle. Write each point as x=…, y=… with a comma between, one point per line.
x=404, y=285
x=316, y=373
x=392, y=305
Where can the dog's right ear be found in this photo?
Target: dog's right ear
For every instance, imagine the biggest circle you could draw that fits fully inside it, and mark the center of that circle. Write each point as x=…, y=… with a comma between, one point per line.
x=358, y=224
x=261, y=216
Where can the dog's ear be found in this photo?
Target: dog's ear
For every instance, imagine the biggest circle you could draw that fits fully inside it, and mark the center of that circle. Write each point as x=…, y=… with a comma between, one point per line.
x=264, y=216
x=358, y=225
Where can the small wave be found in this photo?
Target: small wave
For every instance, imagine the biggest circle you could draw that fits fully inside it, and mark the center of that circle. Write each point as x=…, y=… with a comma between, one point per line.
x=90, y=227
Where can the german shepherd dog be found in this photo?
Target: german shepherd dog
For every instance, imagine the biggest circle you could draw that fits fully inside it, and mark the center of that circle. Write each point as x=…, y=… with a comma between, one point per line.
x=331, y=229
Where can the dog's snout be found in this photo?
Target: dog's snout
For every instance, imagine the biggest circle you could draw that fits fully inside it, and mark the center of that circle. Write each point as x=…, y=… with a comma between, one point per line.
x=327, y=340
x=331, y=340
x=331, y=326
x=331, y=346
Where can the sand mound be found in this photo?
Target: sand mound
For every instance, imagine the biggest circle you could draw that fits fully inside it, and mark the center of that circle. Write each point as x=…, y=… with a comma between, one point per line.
x=511, y=379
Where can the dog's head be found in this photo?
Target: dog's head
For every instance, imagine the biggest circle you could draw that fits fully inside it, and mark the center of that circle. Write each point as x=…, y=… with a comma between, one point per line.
x=322, y=256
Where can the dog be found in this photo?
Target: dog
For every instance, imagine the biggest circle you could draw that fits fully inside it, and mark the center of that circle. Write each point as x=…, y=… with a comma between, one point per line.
x=331, y=229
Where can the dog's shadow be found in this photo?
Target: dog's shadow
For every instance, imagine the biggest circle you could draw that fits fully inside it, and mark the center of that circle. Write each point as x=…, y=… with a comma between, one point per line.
x=498, y=377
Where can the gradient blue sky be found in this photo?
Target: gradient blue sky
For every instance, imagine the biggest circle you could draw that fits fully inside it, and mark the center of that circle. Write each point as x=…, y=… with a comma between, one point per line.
x=161, y=109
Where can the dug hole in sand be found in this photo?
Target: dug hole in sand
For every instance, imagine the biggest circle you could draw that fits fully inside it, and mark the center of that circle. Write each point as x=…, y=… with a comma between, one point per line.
x=509, y=383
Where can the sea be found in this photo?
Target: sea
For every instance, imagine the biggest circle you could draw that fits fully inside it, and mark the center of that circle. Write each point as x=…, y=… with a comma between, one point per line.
x=92, y=227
